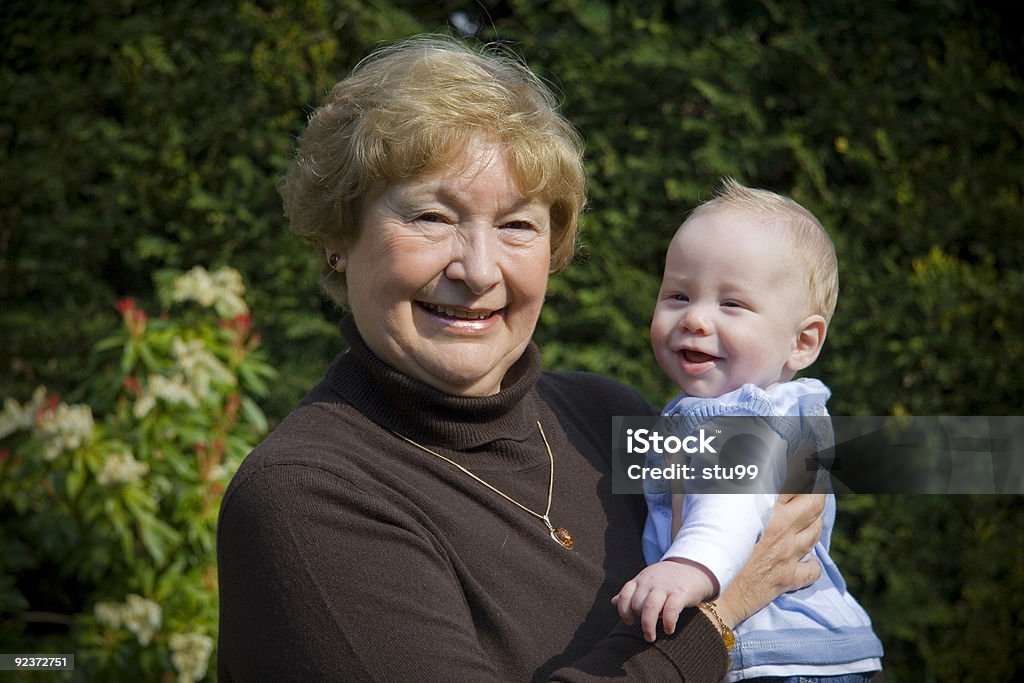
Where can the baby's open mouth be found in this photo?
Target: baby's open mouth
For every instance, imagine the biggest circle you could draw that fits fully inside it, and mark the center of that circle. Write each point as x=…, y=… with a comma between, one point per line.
x=459, y=313
x=691, y=356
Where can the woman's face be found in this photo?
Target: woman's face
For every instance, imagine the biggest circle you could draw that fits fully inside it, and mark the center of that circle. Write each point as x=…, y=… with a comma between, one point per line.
x=448, y=274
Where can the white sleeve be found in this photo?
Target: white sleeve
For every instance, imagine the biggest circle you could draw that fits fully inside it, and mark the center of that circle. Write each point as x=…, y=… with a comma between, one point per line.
x=719, y=531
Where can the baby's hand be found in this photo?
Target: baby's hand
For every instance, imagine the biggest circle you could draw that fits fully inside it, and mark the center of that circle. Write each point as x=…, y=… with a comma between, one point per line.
x=664, y=588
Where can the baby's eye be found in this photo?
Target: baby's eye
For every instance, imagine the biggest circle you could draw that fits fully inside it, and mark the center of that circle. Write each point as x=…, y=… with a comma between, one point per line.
x=680, y=297
x=733, y=304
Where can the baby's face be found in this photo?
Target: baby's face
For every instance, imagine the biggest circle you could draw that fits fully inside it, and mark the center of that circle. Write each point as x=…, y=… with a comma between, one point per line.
x=730, y=306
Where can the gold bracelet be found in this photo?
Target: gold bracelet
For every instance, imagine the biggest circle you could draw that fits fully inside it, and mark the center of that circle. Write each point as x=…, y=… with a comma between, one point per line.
x=727, y=636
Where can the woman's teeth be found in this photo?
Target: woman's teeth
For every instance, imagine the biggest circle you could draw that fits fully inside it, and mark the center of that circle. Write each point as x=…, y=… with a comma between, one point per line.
x=457, y=312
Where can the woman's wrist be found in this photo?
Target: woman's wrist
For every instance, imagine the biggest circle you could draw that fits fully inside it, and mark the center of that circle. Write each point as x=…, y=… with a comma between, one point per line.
x=712, y=611
x=730, y=609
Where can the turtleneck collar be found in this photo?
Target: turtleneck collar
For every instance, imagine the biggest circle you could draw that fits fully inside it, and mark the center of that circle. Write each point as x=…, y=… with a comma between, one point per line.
x=402, y=404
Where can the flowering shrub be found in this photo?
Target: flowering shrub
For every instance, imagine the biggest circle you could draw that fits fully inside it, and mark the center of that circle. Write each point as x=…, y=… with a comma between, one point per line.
x=108, y=507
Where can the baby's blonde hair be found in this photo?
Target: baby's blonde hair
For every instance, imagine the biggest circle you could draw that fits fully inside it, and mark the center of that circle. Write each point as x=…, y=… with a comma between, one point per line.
x=811, y=244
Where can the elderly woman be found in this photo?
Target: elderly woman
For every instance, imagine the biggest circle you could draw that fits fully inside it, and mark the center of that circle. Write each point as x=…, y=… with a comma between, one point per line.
x=439, y=508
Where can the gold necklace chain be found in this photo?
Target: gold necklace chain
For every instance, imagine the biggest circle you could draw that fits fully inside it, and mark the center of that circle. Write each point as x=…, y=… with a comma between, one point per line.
x=558, y=534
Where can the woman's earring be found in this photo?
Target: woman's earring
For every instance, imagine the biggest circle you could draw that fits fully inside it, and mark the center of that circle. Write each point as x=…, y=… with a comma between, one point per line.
x=332, y=261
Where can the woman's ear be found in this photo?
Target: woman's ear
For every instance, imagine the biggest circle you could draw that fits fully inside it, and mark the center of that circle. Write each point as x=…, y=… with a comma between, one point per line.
x=337, y=259
x=809, y=340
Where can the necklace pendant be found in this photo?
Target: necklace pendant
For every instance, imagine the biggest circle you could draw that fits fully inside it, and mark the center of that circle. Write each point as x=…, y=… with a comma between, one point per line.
x=559, y=535
x=562, y=537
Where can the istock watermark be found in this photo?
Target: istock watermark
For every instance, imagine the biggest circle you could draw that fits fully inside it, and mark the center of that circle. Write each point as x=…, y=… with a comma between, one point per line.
x=746, y=454
x=646, y=441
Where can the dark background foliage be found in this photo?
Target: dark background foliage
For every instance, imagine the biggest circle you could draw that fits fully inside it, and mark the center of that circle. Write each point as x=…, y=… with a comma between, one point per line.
x=136, y=136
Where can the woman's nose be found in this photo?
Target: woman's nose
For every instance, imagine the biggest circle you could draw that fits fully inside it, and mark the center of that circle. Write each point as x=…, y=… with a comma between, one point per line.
x=477, y=262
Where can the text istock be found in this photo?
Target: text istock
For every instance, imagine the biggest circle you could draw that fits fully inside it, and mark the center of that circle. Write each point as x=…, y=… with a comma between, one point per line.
x=645, y=441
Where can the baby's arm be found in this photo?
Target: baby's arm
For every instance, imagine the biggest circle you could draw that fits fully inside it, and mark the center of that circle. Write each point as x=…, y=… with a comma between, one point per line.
x=664, y=589
x=714, y=536
x=717, y=535
x=719, y=530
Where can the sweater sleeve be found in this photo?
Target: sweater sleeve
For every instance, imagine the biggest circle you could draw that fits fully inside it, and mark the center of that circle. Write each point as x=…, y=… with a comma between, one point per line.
x=693, y=654
x=320, y=581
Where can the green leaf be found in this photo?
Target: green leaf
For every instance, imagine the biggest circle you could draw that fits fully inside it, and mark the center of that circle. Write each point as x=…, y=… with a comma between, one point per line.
x=74, y=482
x=157, y=537
x=254, y=415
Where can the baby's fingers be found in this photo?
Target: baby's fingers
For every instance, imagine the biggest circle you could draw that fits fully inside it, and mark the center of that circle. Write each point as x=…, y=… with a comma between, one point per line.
x=650, y=612
x=624, y=602
x=674, y=606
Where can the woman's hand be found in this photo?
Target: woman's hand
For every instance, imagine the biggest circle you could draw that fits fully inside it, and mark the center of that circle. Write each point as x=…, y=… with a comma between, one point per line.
x=775, y=566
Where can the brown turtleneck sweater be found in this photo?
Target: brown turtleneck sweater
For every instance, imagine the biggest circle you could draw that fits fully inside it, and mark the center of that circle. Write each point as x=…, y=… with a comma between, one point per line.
x=346, y=554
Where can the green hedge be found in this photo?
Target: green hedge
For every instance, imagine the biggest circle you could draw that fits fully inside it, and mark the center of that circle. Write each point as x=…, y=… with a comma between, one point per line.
x=146, y=136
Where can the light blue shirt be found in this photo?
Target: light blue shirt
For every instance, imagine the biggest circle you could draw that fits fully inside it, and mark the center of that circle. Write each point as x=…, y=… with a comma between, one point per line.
x=820, y=629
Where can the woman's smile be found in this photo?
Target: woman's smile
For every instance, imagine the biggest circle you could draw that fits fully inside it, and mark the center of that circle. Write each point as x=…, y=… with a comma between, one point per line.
x=445, y=311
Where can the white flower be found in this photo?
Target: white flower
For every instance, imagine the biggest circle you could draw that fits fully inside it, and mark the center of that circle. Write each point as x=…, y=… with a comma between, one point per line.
x=145, y=404
x=199, y=366
x=190, y=654
x=220, y=471
x=109, y=614
x=137, y=614
x=222, y=289
x=63, y=428
x=172, y=391
x=121, y=468
x=195, y=285
x=142, y=617
x=190, y=381
x=17, y=417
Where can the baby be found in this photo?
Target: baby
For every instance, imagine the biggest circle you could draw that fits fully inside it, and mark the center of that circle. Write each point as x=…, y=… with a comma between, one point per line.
x=749, y=288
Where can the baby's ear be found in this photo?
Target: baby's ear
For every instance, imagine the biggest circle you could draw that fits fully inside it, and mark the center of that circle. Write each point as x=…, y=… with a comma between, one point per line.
x=809, y=340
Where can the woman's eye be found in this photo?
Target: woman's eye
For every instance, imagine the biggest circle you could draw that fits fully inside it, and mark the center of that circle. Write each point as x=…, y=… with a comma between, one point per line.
x=518, y=225
x=431, y=217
